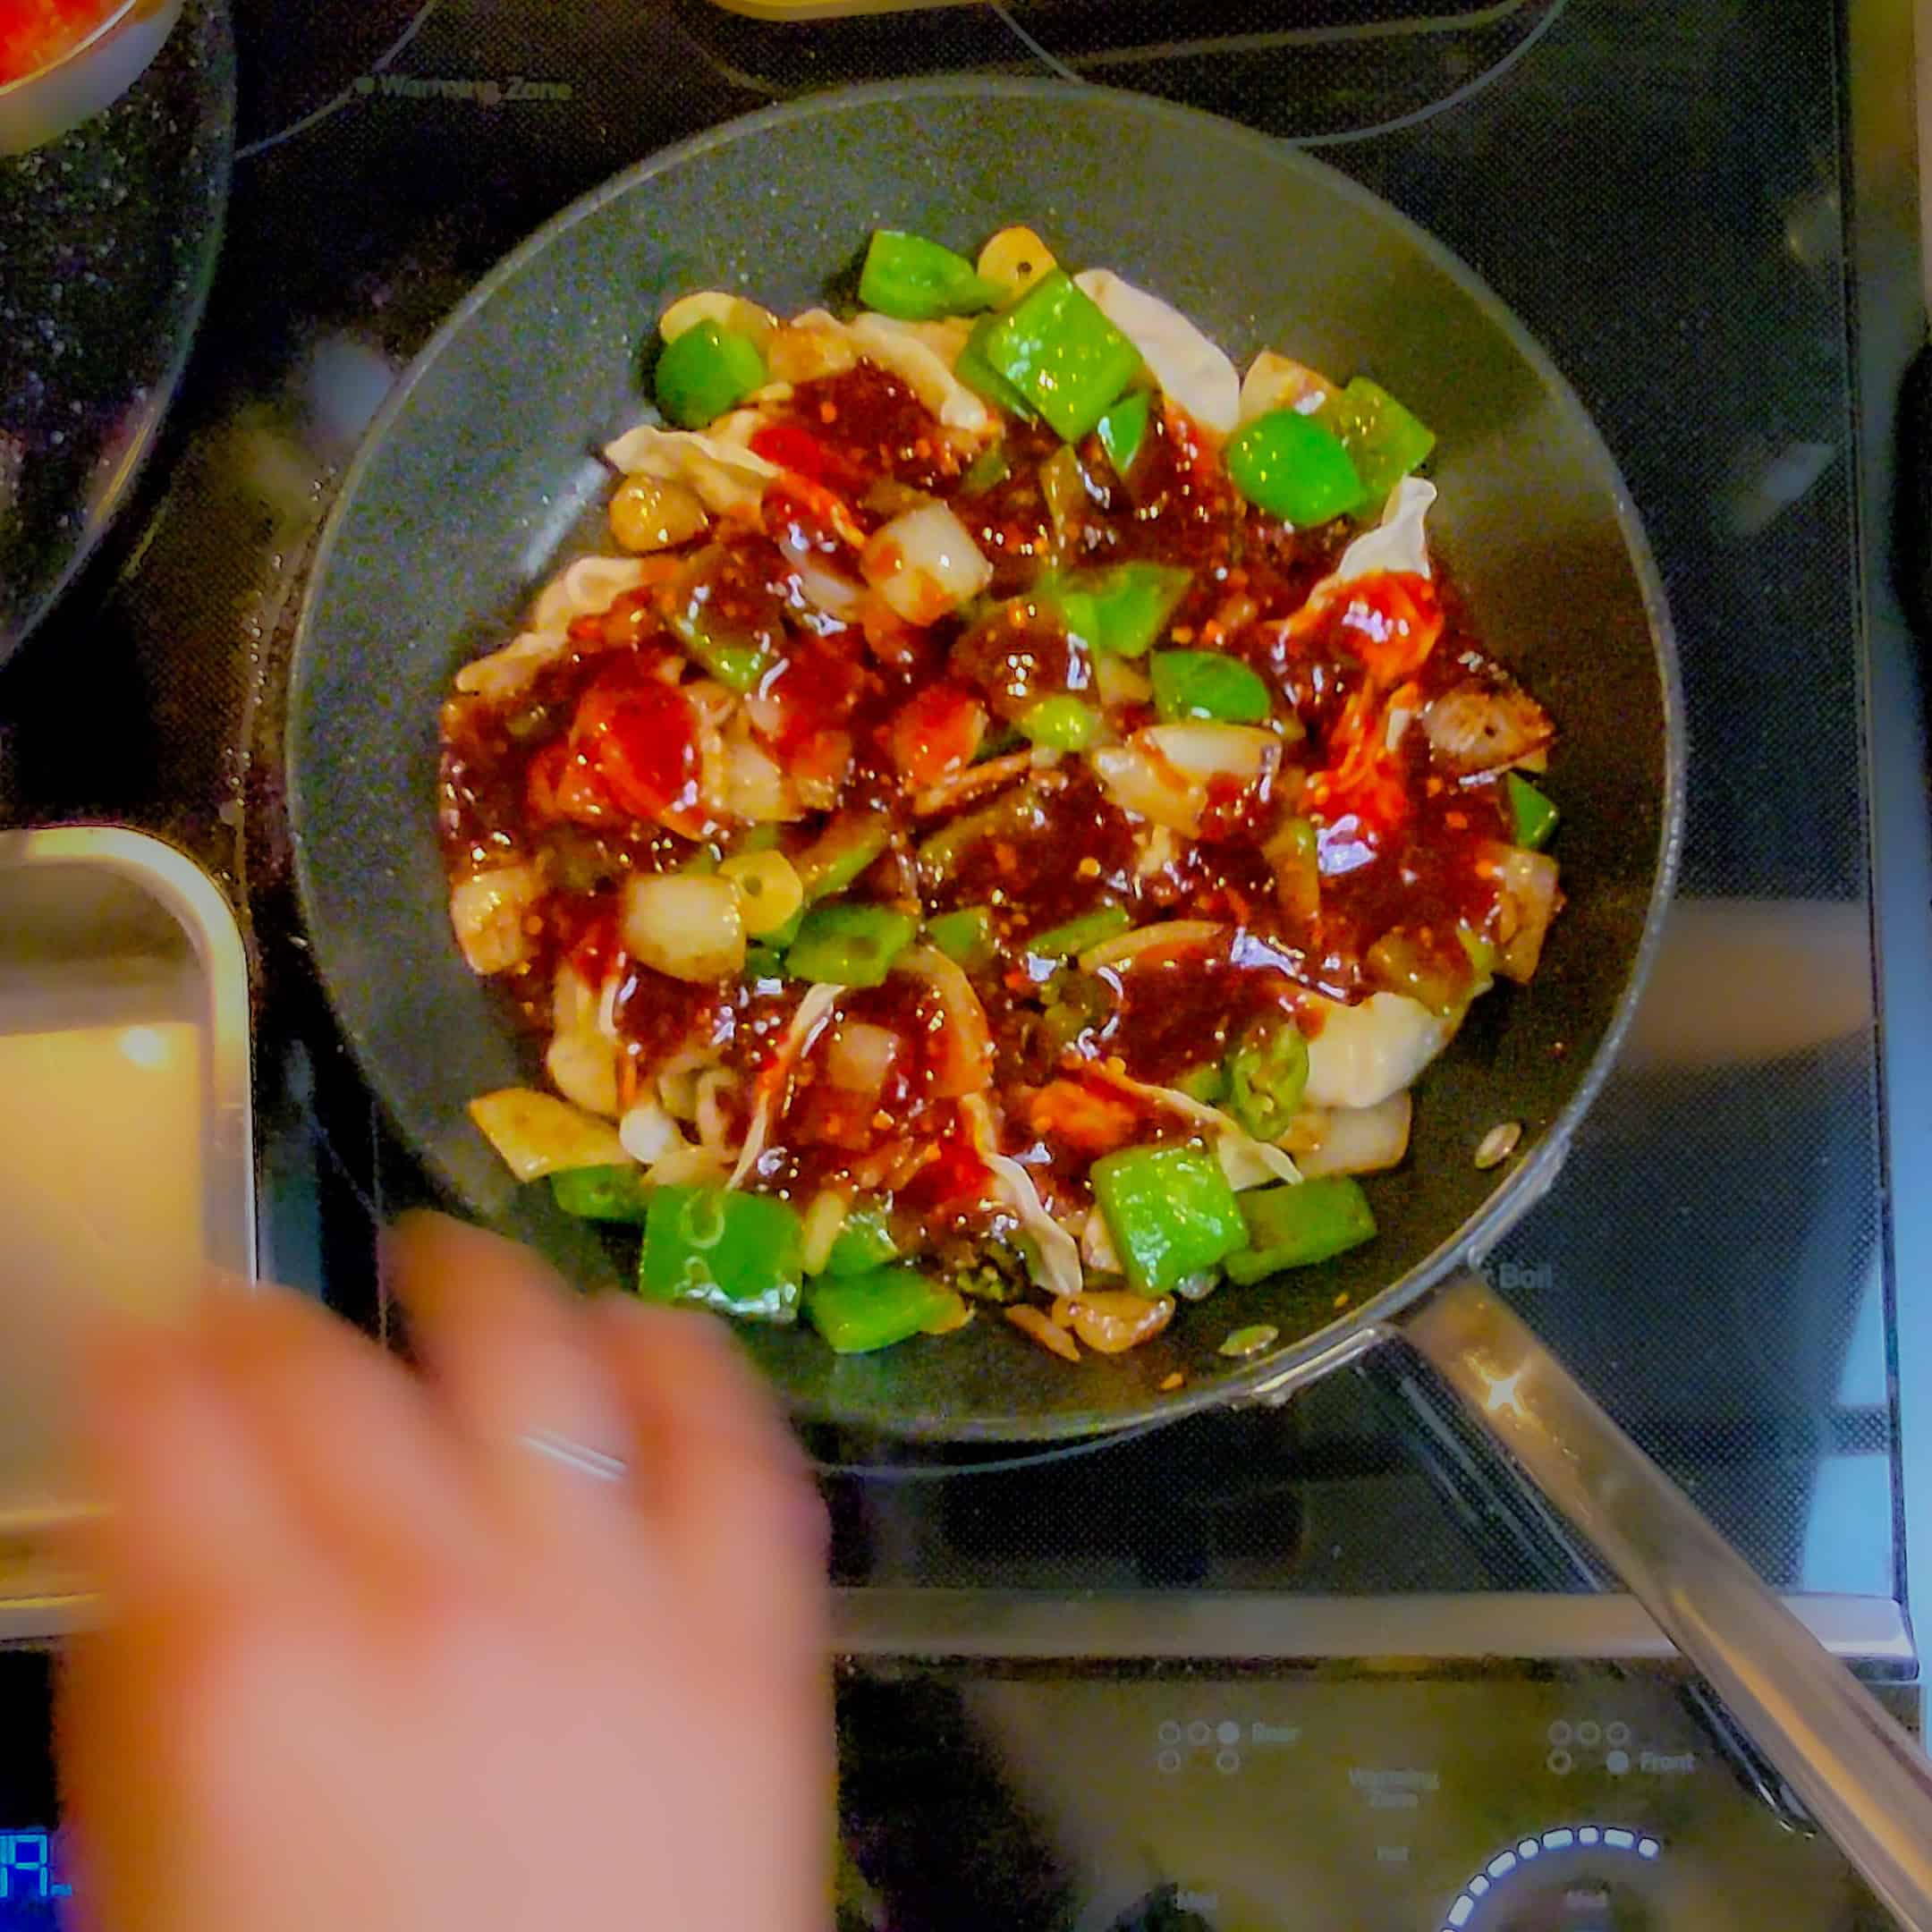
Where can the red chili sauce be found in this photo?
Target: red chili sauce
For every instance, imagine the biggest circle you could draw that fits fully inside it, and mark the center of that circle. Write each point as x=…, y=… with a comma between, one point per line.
x=593, y=772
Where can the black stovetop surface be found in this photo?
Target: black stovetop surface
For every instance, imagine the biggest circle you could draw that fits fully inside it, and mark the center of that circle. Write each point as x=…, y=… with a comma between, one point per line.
x=1663, y=195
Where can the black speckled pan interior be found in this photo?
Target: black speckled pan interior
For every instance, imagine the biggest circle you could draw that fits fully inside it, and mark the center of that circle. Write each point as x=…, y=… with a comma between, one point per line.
x=477, y=478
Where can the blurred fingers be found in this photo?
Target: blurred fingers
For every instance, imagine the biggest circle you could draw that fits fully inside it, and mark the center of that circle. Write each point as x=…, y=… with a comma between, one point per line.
x=506, y=1345
x=348, y=1436
x=190, y=1517
x=729, y=1486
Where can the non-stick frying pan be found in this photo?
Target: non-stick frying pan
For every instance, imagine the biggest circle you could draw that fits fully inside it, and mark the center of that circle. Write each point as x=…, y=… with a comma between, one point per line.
x=480, y=478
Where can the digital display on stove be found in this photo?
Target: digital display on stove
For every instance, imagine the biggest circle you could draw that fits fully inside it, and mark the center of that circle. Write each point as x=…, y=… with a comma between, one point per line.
x=34, y=1884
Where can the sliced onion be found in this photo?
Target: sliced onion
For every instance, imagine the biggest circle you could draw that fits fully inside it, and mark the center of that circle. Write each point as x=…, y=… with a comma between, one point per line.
x=1192, y=370
x=925, y=564
x=677, y=1081
x=1119, y=681
x=1055, y=1255
x=487, y=912
x=756, y=791
x=1277, y=382
x=773, y=1089
x=824, y=590
x=685, y=924
x=582, y=1058
x=1158, y=851
x=1527, y=881
x=583, y=1068
x=735, y=313
x=1202, y=751
x=1360, y=1139
x=649, y=1133
x=1245, y=1162
x=535, y=1134
x=1097, y=1247
x=1139, y=780
x=959, y=1060
x=714, y=1121
x=1126, y=947
x=687, y=1167
x=1063, y=485
x=860, y=1056
x=1111, y=1321
x=825, y=1222
x=1358, y=1055
x=1162, y=773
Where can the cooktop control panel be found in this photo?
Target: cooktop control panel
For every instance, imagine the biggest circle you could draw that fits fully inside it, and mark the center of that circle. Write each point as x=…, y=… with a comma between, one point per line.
x=1579, y=1799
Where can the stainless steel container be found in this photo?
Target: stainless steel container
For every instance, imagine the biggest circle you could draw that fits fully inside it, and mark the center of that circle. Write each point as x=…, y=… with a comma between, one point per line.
x=126, y=1145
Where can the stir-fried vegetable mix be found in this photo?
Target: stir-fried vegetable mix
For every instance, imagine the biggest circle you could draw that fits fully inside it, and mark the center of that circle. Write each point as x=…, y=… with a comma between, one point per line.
x=1008, y=821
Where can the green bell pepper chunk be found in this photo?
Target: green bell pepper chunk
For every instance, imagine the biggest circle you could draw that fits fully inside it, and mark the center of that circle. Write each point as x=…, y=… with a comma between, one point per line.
x=1121, y=609
x=601, y=1193
x=1077, y=1003
x=1124, y=430
x=1170, y=1211
x=1266, y=1074
x=736, y=1253
x=733, y=654
x=1062, y=942
x=1400, y=962
x=1061, y=724
x=1290, y=466
x=857, y=1313
x=1207, y=685
x=964, y=937
x=916, y=280
x=1061, y=353
x=1295, y=853
x=1292, y=1226
x=1384, y=441
x=973, y=368
x=1533, y=812
x=705, y=372
x=842, y=852
x=1479, y=950
x=987, y=470
x=852, y=946
x=763, y=962
x=1206, y=1083
x=864, y=1243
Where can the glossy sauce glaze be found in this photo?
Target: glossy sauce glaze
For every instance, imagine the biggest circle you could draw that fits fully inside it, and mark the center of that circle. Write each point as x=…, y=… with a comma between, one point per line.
x=592, y=773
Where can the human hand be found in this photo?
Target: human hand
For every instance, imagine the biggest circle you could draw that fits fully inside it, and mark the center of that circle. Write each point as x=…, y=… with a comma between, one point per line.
x=372, y=1660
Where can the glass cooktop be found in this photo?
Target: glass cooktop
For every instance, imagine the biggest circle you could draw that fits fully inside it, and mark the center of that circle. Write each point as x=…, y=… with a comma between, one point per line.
x=1668, y=196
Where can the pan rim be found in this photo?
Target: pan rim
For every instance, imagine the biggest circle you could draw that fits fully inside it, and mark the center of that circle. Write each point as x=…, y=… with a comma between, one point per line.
x=1526, y=1184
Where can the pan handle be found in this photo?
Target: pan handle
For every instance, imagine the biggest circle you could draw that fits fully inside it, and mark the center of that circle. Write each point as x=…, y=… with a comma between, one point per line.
x=1861, y=1776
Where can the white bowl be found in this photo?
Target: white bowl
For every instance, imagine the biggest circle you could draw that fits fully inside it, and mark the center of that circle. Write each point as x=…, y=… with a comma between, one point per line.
x=90, y=76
